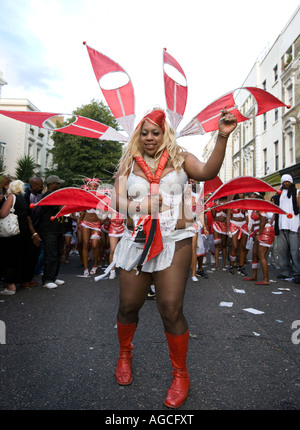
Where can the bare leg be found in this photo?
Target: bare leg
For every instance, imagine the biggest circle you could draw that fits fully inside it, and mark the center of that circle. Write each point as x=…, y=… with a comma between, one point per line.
x=217, y=240
x=233, y=249
x=86, y=233
x=95, y=250
x=79, y=247
x=224, y=250
x=262, y=254
x=243, y=242
x=253, y=277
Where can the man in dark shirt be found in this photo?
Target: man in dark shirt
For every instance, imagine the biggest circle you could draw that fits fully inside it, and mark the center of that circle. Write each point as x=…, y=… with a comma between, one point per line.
x=51, y=233
x=33, y=194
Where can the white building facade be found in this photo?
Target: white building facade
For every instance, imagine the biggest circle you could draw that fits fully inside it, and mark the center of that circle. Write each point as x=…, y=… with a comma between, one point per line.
x=18, y=139
x=268, y=145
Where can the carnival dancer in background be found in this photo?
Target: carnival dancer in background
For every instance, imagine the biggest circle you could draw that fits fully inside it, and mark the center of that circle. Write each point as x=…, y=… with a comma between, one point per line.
x=149, y=192
x=116, y=231
x=220, y=233
x=263, y=234
x=200, y=227
x=237, y=229
x=89, y=222
x=208, y=236
x=202, y=248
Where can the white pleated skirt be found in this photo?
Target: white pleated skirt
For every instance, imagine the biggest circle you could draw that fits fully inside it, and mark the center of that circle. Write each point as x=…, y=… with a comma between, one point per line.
x=128, y=253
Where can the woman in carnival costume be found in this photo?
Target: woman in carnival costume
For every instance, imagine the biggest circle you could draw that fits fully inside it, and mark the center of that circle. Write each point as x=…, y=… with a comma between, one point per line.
x=90, y=224
x=237, y=230
x=156, y=247
x=220, y=233
x=263, y=235
x=116, y=231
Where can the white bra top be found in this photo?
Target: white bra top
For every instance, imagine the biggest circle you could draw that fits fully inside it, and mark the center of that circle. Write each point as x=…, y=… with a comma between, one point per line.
x=221, y=214
x=100, y=213
x=171, y=188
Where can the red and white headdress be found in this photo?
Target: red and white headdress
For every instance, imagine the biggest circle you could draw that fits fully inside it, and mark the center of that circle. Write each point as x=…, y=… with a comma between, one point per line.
x=92, y=180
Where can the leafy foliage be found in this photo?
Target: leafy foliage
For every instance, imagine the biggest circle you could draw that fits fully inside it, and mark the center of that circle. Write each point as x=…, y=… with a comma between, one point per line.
x=76, y=157
x=25, y=168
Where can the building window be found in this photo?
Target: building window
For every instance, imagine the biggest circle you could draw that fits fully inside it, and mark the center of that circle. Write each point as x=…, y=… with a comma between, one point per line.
x=287, y=58
x=290, y=148
x=236, y=143
x=265, y=121
x=275, y=71
x=236, y=167
x=264, y=85
x=38, y=156
x=265, y=161
x=2, y=149
x=276, y=114
x=276, y=155
x=289, y=131
x=290, y=95
x=30, y=150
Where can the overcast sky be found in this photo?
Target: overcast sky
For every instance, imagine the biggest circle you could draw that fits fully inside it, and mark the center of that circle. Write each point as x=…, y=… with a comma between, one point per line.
x=216, y=42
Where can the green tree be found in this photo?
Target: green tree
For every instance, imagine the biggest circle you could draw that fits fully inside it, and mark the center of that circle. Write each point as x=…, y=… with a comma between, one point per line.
x=2, y=166
x=75, y=157
x=25, y=168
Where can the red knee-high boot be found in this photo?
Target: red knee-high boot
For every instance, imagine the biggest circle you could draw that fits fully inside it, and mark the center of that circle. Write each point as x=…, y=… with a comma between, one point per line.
x=178, y=348
x=123, y=370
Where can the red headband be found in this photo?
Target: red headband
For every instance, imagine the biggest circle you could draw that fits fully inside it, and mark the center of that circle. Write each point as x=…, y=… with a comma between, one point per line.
x=157, y=117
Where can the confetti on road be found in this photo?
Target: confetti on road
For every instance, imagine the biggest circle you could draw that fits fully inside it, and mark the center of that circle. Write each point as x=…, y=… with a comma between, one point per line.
x=226, y=304
x=253, y=311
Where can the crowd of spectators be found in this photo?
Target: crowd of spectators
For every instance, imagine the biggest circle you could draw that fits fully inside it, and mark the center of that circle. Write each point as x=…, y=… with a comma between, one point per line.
x=46, y=241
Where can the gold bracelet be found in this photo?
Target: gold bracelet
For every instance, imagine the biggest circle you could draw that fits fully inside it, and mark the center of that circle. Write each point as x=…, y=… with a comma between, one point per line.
x=223, y=134
x=34, y=234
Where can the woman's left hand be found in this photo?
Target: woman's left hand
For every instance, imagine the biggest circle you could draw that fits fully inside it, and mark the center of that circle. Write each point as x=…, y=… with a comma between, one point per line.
x=227, y=122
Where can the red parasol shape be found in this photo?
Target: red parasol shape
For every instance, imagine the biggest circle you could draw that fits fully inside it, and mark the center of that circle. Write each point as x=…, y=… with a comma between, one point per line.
x=75, y=200
x=251, y=204
x=212, y=185
x=242, y=184
x=175, y=92
x=207, y=119
x=120, y=99
x=81, y=126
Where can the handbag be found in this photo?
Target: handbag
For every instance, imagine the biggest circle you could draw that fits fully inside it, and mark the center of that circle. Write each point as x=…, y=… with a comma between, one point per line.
x=9, y=226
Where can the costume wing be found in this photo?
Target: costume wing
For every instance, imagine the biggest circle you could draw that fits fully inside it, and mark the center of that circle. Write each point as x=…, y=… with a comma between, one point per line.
x=212, y=185
x=209, y=186
x=75, y=200
x=252, y=204
x=207, y=119
x=175, y=93
x=242, y=184
x=121, y=99
x=81, y=126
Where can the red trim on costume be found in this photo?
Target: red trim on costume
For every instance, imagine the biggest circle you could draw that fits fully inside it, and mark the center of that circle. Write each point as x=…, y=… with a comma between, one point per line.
x=151, y=222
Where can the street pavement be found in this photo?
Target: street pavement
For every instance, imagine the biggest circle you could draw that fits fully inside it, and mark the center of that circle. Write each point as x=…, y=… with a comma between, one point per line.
x=61, y=347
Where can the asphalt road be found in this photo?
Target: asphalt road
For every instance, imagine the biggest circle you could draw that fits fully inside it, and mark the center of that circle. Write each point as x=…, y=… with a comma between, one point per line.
x=61, y=347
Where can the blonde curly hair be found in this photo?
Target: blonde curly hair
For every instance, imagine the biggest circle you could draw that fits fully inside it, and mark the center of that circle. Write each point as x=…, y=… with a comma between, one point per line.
x=16, y=187
x=169, y=143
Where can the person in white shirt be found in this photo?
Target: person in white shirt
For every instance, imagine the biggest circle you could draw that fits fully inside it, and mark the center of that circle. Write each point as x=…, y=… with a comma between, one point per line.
x=287, y=229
